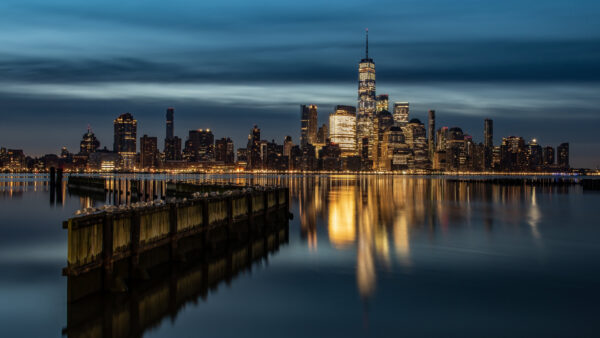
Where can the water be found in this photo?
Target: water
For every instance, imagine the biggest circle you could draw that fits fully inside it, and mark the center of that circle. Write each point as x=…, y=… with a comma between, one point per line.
x=366, y=256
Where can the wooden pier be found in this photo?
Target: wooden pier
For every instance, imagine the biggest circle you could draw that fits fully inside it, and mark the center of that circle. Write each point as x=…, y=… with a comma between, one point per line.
x=99, y=241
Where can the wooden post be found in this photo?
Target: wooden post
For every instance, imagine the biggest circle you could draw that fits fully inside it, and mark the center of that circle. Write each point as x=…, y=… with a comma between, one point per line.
x=173, y=230
x=205, y=213
x=135, y=239
x=250, y=212
x=107, y=249
x=266, y=205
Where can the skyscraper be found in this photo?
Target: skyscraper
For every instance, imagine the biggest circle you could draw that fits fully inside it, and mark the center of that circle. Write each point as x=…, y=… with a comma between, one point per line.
x=200, y=146
x=172, y=143
x=383, y=103
x=342, y=129
x=548, y=154
x=148, y=152
x=401, y=110
x=253, y=150
x=89, y=143
x=563, y=155
x=170, y=123
x=488, y=143
x=308, y=124
x=224, y=150
x=125, y=133
x=431, y=134
x=366, y=101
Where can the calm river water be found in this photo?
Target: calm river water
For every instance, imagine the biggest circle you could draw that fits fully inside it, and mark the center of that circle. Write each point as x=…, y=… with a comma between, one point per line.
x=366, y=257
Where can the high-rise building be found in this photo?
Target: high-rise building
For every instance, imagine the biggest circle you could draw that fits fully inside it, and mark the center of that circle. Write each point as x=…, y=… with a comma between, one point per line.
x=287, y=146
x=224, y=150
x=125, y=139
x=200, y=146
x=170, y=123
x=383, y=121
x=534, y=155
x=322, y=134
x=431, y=133
x=172, y=147
x=89, y=143
x=366, y=101
x=415, y=138
x=253, y=151
x=455, y=149
x=342, y=129
x=488, y=143
x=308, y=124
x=401, y=110
x=548, y=156
x=395, y=153
x=563, y=155
x=148, y=152
x=383, y=103
x=513, y=154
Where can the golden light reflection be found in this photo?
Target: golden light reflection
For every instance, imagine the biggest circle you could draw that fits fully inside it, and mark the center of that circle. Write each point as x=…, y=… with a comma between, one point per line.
x=342, y=217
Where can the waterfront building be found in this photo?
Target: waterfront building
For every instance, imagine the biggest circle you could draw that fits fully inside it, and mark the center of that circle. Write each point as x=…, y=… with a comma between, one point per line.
x=200, y=146
x=395, y=153
x=415, y=138
x=224, y=151
x=534, y=155
x=148, y=152
x=514, y=154
x=366, y=103
x=548, y=154
x=253, y=149
x=401, y=111
x=383, y=120
x=488, y=142
x=308, y=124
x=322, y=134
x=563, y=155
x=88, y=144
x=455, y=149
x=342, y=125
x=441, y=137
x=330, y=157
x=431, y=133
x=125, y=139
x=172, y=147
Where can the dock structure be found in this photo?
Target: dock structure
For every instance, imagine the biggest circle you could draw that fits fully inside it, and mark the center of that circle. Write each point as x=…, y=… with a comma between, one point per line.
x=101, y=240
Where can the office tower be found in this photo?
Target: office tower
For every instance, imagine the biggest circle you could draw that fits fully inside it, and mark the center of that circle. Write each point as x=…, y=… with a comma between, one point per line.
x=366, y=101
x=563, y=155
x=322, y=134
x=200, y=146
x=242, y=156
x=401, y=110
x=224, y=150
x=330, y=157
x=534, y=155
x=455, y=149
x=488, y=143
x=287, y=146
x=89, y=143
x=415, y=138
x=383, y=121
x=125, y=141
x=253, y=149
x=383, y=103
x=548, y=156
x=342, y=129
x=513, y=154
x=442, y=137
x=308, y=124
x=395, y=153
x=170, y=123
x=172, y=147
x=148, y=152
x=431, y=133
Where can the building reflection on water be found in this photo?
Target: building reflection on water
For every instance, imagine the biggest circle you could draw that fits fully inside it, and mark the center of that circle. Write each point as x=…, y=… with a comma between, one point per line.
x=378, y=216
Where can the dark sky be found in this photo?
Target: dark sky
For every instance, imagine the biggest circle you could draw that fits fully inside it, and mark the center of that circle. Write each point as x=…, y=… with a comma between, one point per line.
x=532, y=66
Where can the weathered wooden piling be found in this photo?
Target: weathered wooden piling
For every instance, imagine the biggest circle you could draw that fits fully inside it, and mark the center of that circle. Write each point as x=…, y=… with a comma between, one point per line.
x=100, y=239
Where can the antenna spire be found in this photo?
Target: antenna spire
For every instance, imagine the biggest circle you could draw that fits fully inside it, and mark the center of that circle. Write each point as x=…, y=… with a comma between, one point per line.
x=367, y=44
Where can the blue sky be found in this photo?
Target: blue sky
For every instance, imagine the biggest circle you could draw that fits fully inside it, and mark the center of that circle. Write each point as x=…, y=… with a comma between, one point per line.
x=532, y=66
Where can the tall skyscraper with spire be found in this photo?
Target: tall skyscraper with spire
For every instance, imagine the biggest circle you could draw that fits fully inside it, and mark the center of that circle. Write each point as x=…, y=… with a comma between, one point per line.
x=367, y=103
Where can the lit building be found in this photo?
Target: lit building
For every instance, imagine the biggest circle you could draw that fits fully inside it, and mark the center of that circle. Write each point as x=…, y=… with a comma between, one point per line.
x=401, y=110
x=330, y=157
x=383, y=121
x=89, y=143
x=383, y=103
x=534, y=155
x=200, y=146
x=172, y=143
x=224, y=151
x=308, y=124
x=366, y=102
x=395, y=153
x=415, y=138
x=125, y=137
x=322, y=134
x=431, y=133
x=513, y=154
x=287, y=146
x=548, y=154
x=253, y=151
x=342, y=125
x=148, y=152
x=563, y=155
x=488, y=143
x=455, y=149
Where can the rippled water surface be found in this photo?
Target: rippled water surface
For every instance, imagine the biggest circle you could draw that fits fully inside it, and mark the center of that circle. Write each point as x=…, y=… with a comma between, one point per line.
x=365, y=256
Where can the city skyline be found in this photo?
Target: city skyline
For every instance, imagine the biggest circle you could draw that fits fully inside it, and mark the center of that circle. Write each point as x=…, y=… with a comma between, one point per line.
x=471, y=75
